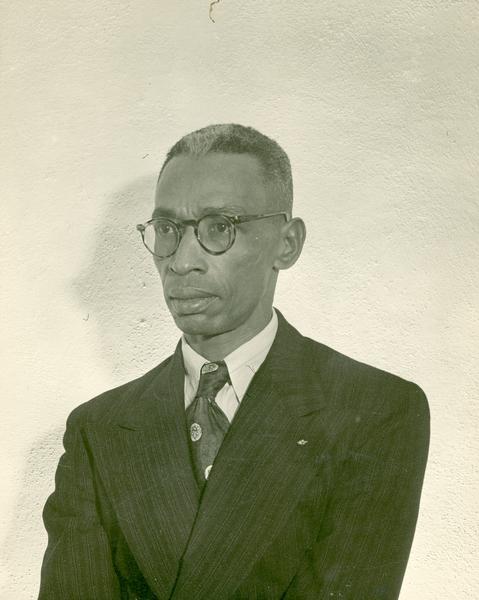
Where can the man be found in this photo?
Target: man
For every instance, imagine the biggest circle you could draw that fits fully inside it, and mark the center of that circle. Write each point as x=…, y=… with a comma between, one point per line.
x=254, y=463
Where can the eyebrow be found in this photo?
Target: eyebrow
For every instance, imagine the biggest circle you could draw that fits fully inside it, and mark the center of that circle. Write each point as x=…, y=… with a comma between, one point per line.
x=169, y=214
x=162, y=212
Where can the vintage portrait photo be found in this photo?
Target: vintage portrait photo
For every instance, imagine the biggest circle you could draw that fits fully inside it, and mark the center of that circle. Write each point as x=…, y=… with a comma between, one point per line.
x=240, y=300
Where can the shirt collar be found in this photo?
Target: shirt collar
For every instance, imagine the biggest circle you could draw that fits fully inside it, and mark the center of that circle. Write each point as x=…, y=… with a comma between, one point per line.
x=242, y=363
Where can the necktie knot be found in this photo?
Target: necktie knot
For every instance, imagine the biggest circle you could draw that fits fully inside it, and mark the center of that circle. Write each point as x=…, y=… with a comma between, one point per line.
x=213, y=376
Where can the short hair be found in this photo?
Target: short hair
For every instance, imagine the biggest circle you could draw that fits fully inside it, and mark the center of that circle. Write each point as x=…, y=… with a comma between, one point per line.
x=231, y=138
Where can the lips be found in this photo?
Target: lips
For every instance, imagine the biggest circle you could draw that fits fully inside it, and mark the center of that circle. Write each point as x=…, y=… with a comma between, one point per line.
x=189, y=301
x=188, y=293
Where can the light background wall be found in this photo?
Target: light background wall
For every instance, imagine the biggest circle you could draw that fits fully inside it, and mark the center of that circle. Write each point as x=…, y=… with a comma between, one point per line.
x=377, y=105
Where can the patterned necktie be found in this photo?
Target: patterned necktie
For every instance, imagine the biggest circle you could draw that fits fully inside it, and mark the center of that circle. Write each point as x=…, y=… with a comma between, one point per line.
x=207, y=423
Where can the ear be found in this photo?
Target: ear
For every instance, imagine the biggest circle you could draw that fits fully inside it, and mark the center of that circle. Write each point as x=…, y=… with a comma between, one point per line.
x=293, y=234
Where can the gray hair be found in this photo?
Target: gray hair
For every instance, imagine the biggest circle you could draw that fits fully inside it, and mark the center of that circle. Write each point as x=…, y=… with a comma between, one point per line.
x=231, y=138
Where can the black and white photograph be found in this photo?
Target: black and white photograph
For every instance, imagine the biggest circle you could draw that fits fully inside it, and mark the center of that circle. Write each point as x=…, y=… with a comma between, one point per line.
x=240, y=300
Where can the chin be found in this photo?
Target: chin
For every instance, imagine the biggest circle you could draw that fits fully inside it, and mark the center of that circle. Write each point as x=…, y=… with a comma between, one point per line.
x=197, y=324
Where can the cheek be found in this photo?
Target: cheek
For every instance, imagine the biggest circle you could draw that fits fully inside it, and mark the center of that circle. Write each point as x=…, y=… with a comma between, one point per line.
x=249, y=273
x=255, y=250
x=244, y=269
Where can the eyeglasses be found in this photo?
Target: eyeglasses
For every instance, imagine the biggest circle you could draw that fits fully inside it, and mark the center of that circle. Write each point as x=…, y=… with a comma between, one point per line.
x=215, y=233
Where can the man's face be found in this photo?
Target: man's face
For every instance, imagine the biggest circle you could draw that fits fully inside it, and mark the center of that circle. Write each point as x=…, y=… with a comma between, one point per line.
x=210, y=294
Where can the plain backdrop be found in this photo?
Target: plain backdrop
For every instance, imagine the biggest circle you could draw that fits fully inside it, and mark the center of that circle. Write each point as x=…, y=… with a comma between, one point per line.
x=376, y=104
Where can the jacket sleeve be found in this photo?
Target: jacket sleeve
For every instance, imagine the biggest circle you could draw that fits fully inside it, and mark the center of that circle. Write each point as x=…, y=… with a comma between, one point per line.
x=364, y=542
x=77, y=564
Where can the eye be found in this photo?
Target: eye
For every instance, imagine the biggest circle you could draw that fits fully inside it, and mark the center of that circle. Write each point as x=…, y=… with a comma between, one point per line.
x=163, y=228
x=219, y=227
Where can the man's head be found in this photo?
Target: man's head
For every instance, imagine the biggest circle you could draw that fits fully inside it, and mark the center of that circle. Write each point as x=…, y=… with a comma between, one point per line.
x=231, y=138
x=234, y=171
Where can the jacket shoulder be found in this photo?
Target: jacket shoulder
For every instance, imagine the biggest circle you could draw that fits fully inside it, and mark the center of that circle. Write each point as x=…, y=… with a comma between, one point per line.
x=361, y=385
x=111, y=403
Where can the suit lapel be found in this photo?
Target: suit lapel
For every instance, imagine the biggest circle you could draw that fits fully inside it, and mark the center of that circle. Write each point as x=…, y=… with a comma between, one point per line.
x=259, y=475
x=146, y=469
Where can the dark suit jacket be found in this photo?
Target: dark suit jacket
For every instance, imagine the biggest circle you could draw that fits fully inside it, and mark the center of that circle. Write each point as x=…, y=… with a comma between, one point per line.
x=313, y=495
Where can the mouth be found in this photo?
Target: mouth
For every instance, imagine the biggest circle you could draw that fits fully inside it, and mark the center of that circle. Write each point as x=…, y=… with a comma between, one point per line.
x=190, y=301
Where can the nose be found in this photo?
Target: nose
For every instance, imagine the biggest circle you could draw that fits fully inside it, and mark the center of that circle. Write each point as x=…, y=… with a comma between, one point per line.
x=189, y=255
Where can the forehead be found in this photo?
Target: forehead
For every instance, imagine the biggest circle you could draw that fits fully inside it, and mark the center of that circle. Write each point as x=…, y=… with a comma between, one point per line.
x=189, y=184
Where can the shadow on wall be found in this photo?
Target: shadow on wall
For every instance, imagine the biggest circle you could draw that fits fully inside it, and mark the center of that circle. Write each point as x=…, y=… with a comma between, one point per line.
x=120, y=290
x=120, y=293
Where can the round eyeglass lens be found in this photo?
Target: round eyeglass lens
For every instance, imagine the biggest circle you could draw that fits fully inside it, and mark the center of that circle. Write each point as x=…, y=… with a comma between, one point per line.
x=216, y=233
x=161, y=237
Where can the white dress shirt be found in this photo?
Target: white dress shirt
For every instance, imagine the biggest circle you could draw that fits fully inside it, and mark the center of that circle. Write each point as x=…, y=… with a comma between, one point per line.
x=242, y=364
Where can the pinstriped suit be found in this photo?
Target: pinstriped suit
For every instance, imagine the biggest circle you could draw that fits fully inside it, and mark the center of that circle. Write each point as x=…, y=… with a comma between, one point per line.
x=330, y=518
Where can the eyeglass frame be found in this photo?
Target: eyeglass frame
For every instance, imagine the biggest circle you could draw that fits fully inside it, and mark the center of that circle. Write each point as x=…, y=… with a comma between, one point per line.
x=183, y=224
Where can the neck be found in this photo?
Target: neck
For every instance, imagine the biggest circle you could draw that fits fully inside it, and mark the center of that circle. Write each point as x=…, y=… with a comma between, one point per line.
x=217, y=347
